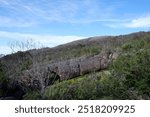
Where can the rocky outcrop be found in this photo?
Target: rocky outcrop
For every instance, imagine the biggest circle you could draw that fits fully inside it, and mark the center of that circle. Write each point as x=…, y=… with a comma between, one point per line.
x=75, y=67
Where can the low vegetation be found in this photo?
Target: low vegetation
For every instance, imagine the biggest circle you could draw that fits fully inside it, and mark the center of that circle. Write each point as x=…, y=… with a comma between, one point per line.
x=73, y=52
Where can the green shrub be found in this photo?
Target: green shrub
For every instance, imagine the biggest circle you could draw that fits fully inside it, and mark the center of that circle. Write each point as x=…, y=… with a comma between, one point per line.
x=91, y=86
x=134, y=45
x=133, y=67
x=32, y=95
x=3, y=81
x=25, y=65
x=1, y=72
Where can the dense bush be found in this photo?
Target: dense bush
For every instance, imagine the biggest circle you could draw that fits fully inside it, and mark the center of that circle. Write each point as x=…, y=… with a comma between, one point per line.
x=80, y=88
x=3, y=81
x=1, y=71
x=132, y=67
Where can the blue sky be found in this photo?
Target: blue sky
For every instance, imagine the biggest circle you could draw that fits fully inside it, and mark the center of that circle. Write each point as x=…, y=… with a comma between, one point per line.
x=54, y=22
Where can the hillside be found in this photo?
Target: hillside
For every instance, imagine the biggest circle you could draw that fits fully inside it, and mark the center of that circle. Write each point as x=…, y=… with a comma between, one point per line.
x=108, y=67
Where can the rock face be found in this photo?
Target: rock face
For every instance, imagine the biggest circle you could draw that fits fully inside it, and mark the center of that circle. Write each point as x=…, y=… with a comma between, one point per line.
x=75, y=67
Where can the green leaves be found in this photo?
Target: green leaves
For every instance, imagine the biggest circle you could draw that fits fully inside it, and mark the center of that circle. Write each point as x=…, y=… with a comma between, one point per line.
x=134, y=64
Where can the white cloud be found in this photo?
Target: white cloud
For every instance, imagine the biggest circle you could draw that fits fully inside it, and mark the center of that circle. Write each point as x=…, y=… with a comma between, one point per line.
x=46, y=40
x=142, y=22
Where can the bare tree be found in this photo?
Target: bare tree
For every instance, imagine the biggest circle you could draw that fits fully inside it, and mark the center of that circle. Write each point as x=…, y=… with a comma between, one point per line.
x=24, y=45
x=35, y=77
x=38, y=74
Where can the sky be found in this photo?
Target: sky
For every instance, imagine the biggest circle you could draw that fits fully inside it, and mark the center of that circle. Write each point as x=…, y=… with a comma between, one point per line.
x=55, y=22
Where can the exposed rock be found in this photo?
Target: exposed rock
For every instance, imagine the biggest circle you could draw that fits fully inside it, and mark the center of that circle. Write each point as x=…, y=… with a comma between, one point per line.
x=75, y=67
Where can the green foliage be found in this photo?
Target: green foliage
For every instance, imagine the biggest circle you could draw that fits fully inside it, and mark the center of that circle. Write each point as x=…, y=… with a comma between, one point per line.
x=84, y=87
x=1, y=72
x=83, y=51
x=63, y=90
x=134, y=45
x=74, y=52
x=25, y=65
x=133, y=67
x=32, y=95
x=3, y=81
